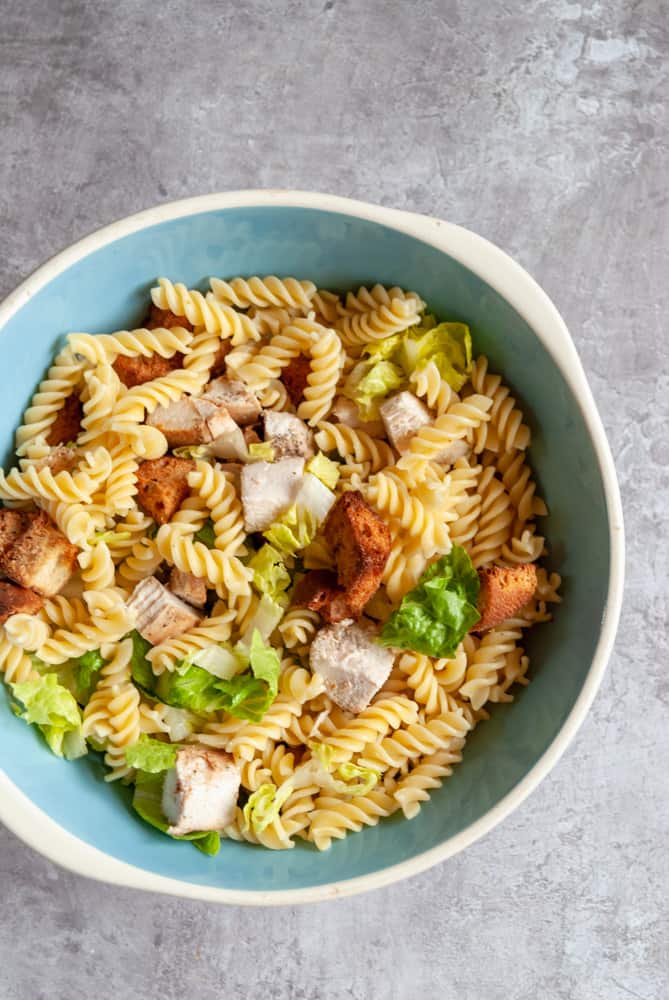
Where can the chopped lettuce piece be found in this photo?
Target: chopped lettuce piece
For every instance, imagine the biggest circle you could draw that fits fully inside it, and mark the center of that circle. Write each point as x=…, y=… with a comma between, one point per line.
x=151, y=755
x=434, y=617
x=324, y=469
x=147, y=802
x=85, y=672
x=343, y=779
x=206, y=534
x=54, y=710
x=370, y=382
x=191, y=451
x=140, y=667
x=265, y=662
x=293, y=531
x=218, y=660
x=189, y=687
x=270, y=575
x=261, y=451
x=264, y=806
x=265, y=619
x=448, y=346
x=109, y=536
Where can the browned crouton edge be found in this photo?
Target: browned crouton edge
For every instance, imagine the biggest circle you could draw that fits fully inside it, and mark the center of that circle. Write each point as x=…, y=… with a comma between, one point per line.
x=504, y=591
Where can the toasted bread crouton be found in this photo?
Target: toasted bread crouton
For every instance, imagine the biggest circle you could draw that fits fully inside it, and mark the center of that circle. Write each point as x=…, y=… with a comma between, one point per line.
x=162, y=486
x=12, y=524
x=58, y=460
x=17, y=601
x=164, y=318
x=189, y=421
x=403, y=416
x=288, y=435
x=239, y=401
x=294, y=377
x=192, y=589
x=159, y=614
x=504, y=591
x=137, y=371
x=360, y=543
x=319, y=591
x=352, y=664
x=40, y=558
x=67, y=424
x=200, y=792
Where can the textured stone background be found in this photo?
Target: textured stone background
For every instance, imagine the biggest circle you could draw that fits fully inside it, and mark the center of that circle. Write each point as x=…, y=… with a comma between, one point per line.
x=543, y=126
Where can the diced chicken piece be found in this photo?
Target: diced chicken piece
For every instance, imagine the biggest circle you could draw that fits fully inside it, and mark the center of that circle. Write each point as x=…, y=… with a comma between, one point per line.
x=40, y=558
x=159, y=614
x=269, y=488
x=12, y=523
x=17, y=601
x=59, y=460
x=288, y=435
x=230, y=442
x=360, y=542
x=220, y=366
x=164, y=318
x=138, y=370
x=201, y=791
x=67, y=424
x=350, y=662
x=319, y=591
x=457, y=449
x=190, y=421
x=192, y=589
x=403, y=416
x=294, y=377
x=162, y=486
x=504, y=591
x=239, y=401
x=345, y=411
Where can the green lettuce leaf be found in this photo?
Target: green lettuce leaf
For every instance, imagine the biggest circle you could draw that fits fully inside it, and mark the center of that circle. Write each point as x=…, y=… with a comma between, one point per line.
x=264, y=806
x=434, y=617
x=447, y=345
x=206, y=534
x=261, y=451
x=52, y=708
x=265, y=662
x=324, y=469
x=265, y=619
x=370, y=382
x=294, y=530
x=346, y=778
x=109, y=536
x=85, y=673
x=147, y=802
x=270, y=575
x=152, y=756
x=140, y=667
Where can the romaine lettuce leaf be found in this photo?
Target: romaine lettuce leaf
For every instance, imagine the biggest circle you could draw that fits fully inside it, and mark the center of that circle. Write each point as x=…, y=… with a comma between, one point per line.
x=448, y=346
x=434, y=617
x=52, y=708
x=294, y=530
x=85, y=673
x=270, y=575
x=152, y=756
x=324, y=469
x=261, y=451
x=342, y=779
x=147, y=802
x=370, y=382
x=140, y=667
x=206, y=534
x=264, y=619
x=264, y=806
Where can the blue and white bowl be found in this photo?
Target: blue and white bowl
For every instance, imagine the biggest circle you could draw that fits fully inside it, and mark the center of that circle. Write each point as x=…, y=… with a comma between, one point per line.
x=101, y=284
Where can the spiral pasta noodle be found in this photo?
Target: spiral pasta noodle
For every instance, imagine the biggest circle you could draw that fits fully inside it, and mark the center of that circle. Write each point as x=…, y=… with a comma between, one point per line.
x=104, y=348
x=264, y=292
x=206, y=311
x=62, y=380
x=355, y=444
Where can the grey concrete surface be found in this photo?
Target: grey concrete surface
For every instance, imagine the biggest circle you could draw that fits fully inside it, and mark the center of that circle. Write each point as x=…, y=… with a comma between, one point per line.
x=542, y=125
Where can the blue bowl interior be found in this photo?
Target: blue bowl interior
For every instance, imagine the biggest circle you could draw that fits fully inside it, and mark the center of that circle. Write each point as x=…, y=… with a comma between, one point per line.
x=109, y=290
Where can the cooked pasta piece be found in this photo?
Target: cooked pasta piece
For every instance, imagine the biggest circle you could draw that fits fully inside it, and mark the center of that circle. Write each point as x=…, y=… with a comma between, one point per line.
x=264, y=292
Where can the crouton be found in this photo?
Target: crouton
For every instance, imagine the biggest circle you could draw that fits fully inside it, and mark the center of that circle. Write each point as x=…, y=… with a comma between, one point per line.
x=360, y=542
x=138, y=370
x=219, y=366
x=67, y=424
x=164, y=318
x=17, y=601
x=288, y=435
x=353, y=666
x=294, y=377
x=268, y=489
x=403, y=416
x=319, y=591
x=162, y=486
x=504, y=591
x=58, y=460
x=40, y=558
x=192, y=589
x=12, y=523
x=189, y=421
x=201, y=791
x=159, y=614
x=239, y=401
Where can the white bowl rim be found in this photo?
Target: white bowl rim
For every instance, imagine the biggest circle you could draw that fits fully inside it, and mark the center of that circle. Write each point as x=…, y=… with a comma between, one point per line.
x=516, y=286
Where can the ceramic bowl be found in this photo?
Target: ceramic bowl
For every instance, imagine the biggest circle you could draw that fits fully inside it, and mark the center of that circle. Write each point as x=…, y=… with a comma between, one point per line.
x=65, y=810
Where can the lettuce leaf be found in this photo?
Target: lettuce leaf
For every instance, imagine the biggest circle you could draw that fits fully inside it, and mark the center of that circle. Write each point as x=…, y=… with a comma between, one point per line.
x=434, y=617
x=294, y=530
x=152, y=756
x=270, y=575
x=147, y=802
x=447, y=345
x=264, y=619
x=324, y=469
x=52, y=708
x=343, y=779
x=85, y=672
x=261, y=451
x=109, y=536
x=370, y=382
x=264, y=806
x=140, y=667
x=206, y=534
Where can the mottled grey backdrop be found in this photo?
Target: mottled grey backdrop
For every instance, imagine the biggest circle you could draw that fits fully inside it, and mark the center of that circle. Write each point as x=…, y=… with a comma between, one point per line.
x=543, y=126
